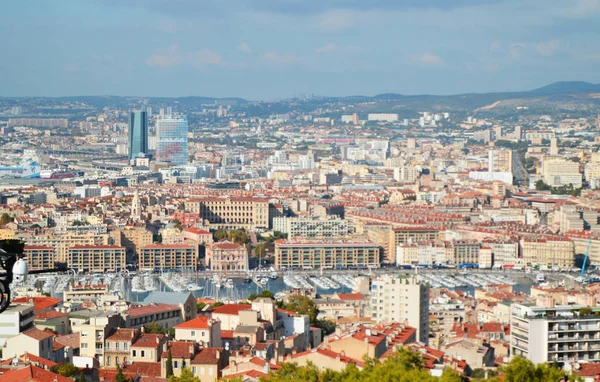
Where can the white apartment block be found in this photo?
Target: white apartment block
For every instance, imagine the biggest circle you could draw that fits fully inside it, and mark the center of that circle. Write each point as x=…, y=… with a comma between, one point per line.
x=401, y=299
x=311, y=226
x=383, y=117
x=555, y=333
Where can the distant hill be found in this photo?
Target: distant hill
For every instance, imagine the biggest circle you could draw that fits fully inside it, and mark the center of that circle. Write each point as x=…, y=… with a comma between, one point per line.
x=568, y=87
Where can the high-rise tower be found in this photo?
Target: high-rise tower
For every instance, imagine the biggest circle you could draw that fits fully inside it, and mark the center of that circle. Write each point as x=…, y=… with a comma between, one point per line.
x=138, y=134
x=172, y=140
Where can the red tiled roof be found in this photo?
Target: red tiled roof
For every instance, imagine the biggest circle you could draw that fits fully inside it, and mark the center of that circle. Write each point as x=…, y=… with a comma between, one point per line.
x=330, y=354
x=32, y=373
x=37, y=360
x=181, y=349
x=226, y=246
x=148, y=340
x=208, y=356
x=227, y=334
x=197, y=231
x=351, y=296
x=38, y=248
x=37, y=334
x=588, y=369
x=40, y=303
x=233, y=309
x=70, y=340
x=167, y=246
x=122, y=335
x=201, y=322
x=143, y=310
x=49, y=315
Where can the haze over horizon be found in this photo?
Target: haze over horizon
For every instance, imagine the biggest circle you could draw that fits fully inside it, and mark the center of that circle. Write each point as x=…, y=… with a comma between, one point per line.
x=278, y=49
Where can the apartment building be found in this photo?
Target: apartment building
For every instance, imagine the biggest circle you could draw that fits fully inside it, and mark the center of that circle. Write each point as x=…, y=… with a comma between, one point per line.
x=326, y=254
x=464, y=252
x=135, y=238
x=555, y=333
x=168, y=256
x=311, y=226
x=406, y=235
x=550, y=252
x=14, y=320
x=39, y=257
x=96, y=258
x=93, y=327
x=204, y=330
x=132, y=345
x=401, y=299
x=231, y=213
x=63, y=242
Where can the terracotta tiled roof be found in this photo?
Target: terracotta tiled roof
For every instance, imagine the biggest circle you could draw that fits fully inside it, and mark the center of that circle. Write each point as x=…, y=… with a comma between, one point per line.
x=351, y=296
x=40, y=303
x=181, y=349
x=208, y=356
x=38, y=334
x=233, y=309
x=148, y=340
x=34, y=374
x=49, y=315
x=70, y=340
x=201, y=322
x=122, y=335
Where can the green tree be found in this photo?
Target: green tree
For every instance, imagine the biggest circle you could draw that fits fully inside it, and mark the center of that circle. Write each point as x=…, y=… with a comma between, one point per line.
x=220, y=235
x=327, y=326
x=66, y=369
x=450, y=375
x=303, y=305
x=264, y=293
x=186, y=376
x=120, y=377
x=5, y=219
x=155, y=328
x=169, y=364
x=520, y=369
x=178, y=224
x=239, y=236
x=260, y=250
x=540, y=185
x=216, y=304
x=200, y=306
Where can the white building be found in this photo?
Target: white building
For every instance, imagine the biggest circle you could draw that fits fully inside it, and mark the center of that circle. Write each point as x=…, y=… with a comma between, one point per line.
x=311, y=226
x=383, y=117
x=555, y=333
x=172, y=139
x=14, y=320
x=401, y=299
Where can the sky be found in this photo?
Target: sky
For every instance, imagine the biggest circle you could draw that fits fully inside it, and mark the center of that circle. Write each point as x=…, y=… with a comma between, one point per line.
x=272, y=49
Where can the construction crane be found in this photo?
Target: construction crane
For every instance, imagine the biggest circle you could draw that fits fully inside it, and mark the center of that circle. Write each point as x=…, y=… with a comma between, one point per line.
x=587, y=253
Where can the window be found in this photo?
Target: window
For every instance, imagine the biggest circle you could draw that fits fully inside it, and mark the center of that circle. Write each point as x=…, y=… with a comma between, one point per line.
x=116, y=346
x=125, y=346
x=203, y=333
x=210, y=371
x=84, y=334
x=107, y=361
x=201, y=370
x=84, y=345
x=116, y=360
x=194, y=370
x=175, y=364
x=143, y=354
x=193, y=332
x=133, y=353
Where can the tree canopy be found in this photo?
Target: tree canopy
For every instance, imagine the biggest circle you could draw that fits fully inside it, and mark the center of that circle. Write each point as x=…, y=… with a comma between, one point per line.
x=264, y=293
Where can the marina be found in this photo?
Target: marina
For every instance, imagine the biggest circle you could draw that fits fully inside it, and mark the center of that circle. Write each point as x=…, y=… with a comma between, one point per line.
x=136, y=286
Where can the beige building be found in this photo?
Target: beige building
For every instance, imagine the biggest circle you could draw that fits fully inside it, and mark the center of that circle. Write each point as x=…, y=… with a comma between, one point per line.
x=549, y=252
x=97, y=258
x=227, y=256
x=93, y=327
x=33, y=341
x=326, y=254
x=39, y=257
x=500, y=160
x=404, y=235
x=168, y=256
x=203, y=330
x=135, y=238
x=63, y=242
x=401, y=299
x=560, y=172
x=231, y=213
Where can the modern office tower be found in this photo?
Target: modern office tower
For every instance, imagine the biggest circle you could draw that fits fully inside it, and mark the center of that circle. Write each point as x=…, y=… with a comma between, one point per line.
x=401, y=299
x=500, y=160
x=172, y=135
x=169, y=110
x=138, y=134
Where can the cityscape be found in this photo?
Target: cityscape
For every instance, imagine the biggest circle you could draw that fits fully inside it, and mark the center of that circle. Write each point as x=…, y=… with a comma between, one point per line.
x=308, y=237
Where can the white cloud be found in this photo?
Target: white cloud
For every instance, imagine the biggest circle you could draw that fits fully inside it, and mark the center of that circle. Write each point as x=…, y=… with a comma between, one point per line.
x=172, y=57
x=244, y=47
x=175, y=56
x=427, y=58
x=206, y=56
x=548, y=48
x=333, y=48
x=282, y=58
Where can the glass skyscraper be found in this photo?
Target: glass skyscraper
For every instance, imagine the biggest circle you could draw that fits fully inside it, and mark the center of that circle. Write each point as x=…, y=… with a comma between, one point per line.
x=138, y=134
x=172, y=140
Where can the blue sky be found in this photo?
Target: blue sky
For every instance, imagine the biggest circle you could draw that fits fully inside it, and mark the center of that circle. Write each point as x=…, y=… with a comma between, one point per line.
x=269, y=49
